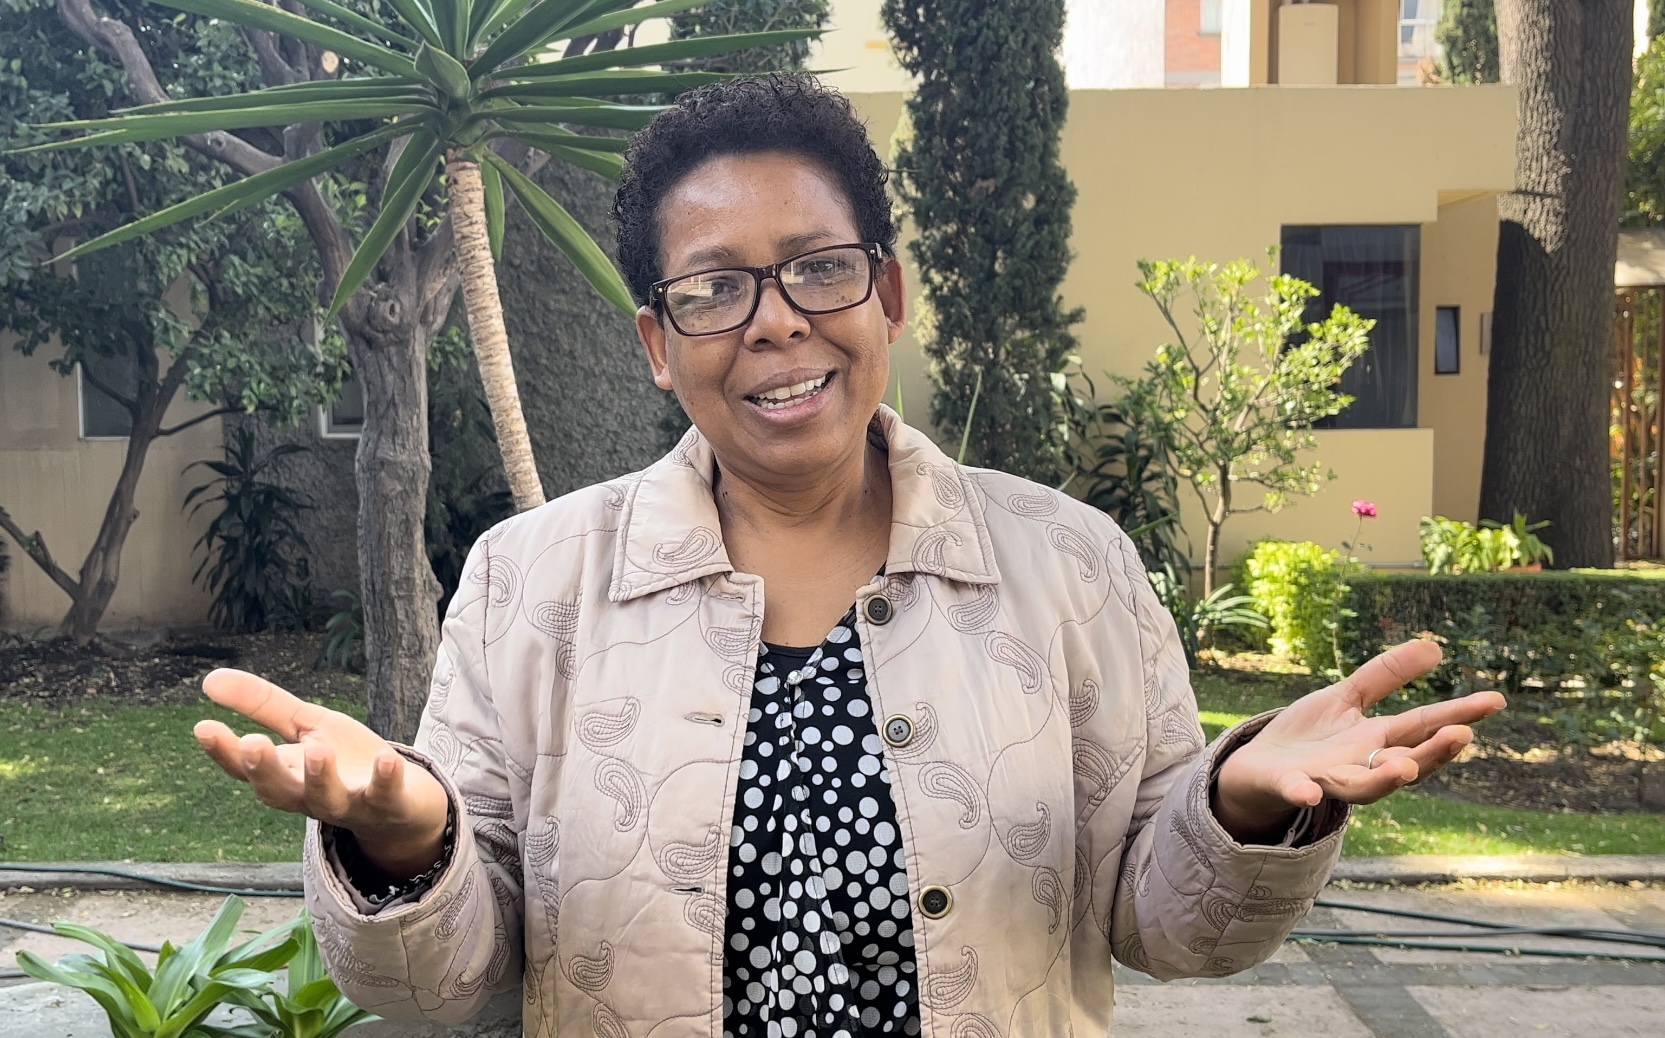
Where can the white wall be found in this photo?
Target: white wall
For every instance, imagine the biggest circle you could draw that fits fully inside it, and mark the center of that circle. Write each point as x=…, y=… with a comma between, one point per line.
x=1114, y=44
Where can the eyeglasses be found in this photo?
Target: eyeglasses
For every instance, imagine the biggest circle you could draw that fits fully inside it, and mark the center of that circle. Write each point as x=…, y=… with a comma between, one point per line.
x=821, y=281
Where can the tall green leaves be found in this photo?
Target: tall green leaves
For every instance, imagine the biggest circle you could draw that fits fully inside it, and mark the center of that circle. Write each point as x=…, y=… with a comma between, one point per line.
x=990, y=203
x=1467, y=33
x=438, y=78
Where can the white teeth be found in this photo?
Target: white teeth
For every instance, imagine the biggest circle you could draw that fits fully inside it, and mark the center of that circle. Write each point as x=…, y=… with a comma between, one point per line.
x=786, y=394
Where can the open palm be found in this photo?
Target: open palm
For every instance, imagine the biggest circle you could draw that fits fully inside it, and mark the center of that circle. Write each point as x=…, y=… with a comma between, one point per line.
x=1322, y=744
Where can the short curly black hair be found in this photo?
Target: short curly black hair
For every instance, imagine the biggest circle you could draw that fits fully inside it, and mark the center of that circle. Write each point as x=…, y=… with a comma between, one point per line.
x=792, y=112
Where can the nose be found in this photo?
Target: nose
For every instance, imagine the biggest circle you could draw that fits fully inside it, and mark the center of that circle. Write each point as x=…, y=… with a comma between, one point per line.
x=776, y=322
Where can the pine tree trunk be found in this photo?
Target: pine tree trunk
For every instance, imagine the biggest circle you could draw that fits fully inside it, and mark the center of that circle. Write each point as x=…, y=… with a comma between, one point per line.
x=1547, y=426
x=491, y=339
x=389, y=347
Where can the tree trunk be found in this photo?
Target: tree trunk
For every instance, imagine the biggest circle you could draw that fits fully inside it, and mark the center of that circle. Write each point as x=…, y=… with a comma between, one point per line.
x=102, y=566
x=397, y=588
x=491, y=339
x=1547, y=426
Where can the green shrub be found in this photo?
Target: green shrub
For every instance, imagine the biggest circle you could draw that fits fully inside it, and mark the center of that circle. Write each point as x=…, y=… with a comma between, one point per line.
x=1584, y=648
x=1453, y=546
x=1295, y=585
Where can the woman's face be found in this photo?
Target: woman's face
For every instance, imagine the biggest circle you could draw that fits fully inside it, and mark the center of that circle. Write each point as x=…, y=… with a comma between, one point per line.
x=754, y=210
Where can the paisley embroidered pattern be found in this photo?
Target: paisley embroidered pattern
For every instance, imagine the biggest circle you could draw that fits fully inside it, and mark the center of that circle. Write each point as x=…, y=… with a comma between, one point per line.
x=944, y=989
x=1049, y=893
x=973, y=1025
x=947, y=781
x=1033, y=506
x=1084, y=701
x=1026, y=840
x=542, y=843
x=691, y=862
x=591, y=973
x=976, y=616
x=944, y=484
x=699, y=545
x=601, y=730
x=607, y=1023
x=928, y=549
x=1031, y=669
x=924, y=733
x=1076, y=547
x=623, y=784
x=704, y=912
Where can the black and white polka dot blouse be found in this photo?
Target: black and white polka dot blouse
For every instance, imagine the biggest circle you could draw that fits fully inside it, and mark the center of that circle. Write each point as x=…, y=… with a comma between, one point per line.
x=819, y=931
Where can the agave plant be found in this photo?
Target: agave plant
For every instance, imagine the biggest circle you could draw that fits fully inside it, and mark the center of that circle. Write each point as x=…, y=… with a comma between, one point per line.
x=447, y=83
x=189, y=981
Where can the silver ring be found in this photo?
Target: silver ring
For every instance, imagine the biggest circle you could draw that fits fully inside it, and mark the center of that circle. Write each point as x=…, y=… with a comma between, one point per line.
x=1370, y=761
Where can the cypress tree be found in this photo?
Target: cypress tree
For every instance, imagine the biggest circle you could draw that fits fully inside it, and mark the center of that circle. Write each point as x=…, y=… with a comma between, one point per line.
x=1467, y=32
x=990, y=203
x=1656, y=18
x=726, y=17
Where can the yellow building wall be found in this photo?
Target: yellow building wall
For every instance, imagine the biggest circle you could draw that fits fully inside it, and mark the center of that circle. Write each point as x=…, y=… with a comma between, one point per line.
x=1217, y=174
x=1459, y=266
x=59, y=484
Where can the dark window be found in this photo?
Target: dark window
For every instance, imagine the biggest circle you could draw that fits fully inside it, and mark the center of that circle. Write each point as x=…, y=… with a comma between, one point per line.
x=102, y=416
x=344, y=418
x=1372, y=270
x=1447, y=350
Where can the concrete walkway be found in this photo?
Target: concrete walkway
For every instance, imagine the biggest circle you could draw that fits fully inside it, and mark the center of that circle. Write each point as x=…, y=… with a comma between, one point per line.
x=1339, y=991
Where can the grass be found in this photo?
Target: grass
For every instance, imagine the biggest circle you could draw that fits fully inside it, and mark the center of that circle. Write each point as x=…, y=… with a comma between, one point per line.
x=98, y=781
x=1417, y=823
x=101, y=782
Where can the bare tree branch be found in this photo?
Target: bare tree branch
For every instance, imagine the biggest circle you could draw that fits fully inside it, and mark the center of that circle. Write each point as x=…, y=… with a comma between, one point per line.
x=198, y=420
x=34, y=545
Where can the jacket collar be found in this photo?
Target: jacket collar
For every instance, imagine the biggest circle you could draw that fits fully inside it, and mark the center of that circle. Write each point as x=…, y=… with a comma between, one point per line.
x=670, y=533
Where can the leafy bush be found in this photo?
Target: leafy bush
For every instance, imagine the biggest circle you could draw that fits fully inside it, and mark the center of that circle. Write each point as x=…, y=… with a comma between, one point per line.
x=1585, y=649
x=1126, y=476
x=1453, y=546
x=344, y=644
x=191, y=981
x=1296, y=585
x=1197, y=619
x=253, y=547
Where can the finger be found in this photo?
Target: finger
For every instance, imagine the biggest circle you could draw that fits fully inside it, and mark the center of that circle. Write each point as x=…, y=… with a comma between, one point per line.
x=1414, y=727
x=1389, y=672
x=1356, y=784
x=326, y=797
x=275, y=784
x=1440, y=749
x=220, y=743
x=1298, y=789
x=262, y=702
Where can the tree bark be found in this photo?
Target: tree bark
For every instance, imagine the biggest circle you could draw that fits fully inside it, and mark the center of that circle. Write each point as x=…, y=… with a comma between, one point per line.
x=389, y=325
x=1546, y=449
x=491, y=338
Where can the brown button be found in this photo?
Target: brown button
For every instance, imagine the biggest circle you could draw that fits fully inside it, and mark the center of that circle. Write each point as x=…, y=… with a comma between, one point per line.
x=935, y=902
x=877, y=610
x=898, y=730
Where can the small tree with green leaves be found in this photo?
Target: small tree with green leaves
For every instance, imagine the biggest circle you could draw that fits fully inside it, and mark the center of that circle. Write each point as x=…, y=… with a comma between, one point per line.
x=1233, y=397
x=1467, y=33
x=735, y=17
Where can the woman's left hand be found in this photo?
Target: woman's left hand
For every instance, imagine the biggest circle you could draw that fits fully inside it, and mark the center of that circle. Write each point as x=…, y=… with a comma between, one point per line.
x=1326, y=745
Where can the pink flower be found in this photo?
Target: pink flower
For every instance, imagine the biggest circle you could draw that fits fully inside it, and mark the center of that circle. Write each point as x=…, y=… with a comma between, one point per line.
x=1364, y=509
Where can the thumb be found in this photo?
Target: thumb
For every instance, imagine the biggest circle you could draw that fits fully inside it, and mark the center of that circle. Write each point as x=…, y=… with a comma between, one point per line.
x=1298, y=788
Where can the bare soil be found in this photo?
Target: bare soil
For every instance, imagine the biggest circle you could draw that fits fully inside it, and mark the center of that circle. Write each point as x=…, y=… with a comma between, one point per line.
x=57, y=671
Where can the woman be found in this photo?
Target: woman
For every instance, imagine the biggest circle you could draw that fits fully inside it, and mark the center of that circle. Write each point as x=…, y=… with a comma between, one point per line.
x=806, y=730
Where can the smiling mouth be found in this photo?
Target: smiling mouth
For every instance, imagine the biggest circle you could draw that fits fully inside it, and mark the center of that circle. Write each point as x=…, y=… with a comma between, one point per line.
x=787, y=396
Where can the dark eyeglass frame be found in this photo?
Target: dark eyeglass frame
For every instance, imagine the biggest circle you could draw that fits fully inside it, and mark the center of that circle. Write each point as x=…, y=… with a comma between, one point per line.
x=875, y=255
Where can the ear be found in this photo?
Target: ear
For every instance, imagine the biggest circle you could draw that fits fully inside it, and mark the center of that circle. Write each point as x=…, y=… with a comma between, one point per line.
x=652, y=334
x=893, y=295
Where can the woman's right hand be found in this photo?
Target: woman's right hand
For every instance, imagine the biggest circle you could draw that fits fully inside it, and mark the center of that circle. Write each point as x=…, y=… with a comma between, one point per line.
x=331, y=768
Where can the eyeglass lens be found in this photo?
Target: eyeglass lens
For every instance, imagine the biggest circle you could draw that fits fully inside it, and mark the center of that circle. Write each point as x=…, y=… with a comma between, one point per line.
x=722, y=300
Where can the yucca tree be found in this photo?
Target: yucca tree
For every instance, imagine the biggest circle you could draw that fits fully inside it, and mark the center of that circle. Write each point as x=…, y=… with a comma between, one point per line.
x=444, y=82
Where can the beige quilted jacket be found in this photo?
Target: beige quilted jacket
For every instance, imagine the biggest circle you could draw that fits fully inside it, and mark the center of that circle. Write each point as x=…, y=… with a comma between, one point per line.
x=587, y=714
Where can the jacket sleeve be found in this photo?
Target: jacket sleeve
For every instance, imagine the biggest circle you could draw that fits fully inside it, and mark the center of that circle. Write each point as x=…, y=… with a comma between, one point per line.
x=1190, y=900
x=442, y=952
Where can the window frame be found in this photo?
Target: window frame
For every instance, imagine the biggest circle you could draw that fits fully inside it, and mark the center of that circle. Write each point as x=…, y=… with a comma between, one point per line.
x=327, y=423
x=1203, y=8
x=82, y=388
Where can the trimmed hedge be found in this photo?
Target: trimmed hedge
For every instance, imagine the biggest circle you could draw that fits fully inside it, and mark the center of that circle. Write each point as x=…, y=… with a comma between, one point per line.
x=1601, y=629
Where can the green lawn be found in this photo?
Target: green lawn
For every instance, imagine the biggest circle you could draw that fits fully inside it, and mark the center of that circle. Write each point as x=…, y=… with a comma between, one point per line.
x=1416, y=823
x=104, y=782
x=99, y=782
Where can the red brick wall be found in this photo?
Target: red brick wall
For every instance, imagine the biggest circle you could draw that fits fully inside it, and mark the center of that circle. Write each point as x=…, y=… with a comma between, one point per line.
x=1188, y=51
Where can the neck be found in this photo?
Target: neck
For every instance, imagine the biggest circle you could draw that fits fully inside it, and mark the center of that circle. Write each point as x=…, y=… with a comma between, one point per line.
x=852, y=495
